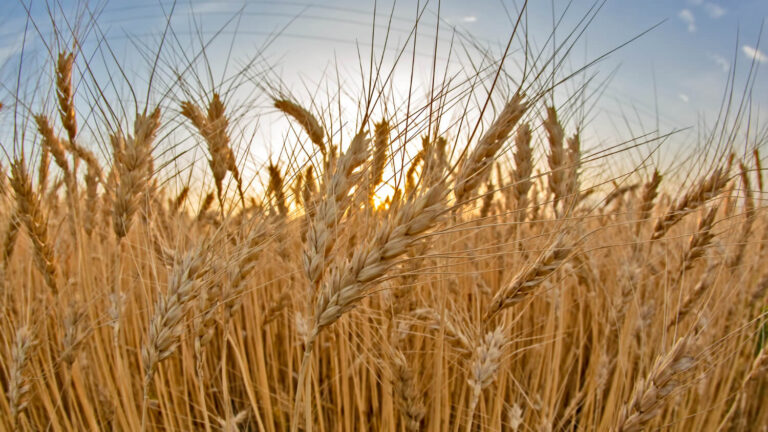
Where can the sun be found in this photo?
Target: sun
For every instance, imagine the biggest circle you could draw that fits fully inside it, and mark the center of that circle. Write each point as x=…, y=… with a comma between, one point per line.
x=383, y=194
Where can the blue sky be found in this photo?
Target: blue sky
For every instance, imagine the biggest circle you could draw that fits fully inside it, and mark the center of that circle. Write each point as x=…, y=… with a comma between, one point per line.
x=674, y=75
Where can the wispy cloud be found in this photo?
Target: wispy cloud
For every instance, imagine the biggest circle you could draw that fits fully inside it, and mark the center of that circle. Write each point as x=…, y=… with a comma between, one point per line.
x=714, y=11
x=720, y=61
x=687, y=16
x=684, y=97
x=469, y=19
x=755, y=54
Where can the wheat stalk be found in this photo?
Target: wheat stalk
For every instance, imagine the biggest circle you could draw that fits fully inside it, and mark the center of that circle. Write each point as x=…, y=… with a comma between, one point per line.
x=758, y=170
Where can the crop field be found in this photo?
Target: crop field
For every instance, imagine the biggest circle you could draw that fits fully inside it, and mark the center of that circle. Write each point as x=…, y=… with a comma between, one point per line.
x=464, y=258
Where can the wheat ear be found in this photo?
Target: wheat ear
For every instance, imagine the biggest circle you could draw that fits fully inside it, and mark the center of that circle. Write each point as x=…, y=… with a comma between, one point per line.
x=213, y=128
x=65, y=96
x=749, y=218
x=65, y=93
x=409, y=399
x=572, y=172
x=381, y=133
x=306, y=120
x=166, y=326
x=335, y=192
x=557, y=156
x=476, y=166
x=9, y=240
x=347, y=283
x=32, y=215
x=521, y=180
x=650, y=392
x=53, y=144
x=485, y=365
x=525, y=282
x=369, y=262
x=703, y=191
x=275, y=187
x=650, y=192
x=43, y=169
x=133, y=168
x=18, y=384
x=700, y=240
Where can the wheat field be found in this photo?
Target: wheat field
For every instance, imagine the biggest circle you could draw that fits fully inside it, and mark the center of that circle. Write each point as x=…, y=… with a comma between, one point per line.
x=403, y=268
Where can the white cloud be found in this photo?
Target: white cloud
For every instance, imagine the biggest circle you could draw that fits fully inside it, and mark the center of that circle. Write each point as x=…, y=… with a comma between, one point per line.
x=755, y=54
x=469, y=19
x=687, y=16
x=684, y=97
x=714, y=10
x=720, y=60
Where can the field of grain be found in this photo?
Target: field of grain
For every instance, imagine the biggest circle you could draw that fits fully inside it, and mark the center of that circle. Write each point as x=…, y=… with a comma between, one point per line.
x=400, y=269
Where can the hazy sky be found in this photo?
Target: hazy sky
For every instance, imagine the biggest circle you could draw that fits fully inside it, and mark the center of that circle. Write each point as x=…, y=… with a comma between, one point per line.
x=678, y=70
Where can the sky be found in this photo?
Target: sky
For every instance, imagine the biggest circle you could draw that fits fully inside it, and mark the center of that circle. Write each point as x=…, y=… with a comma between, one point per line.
x=670, y=75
